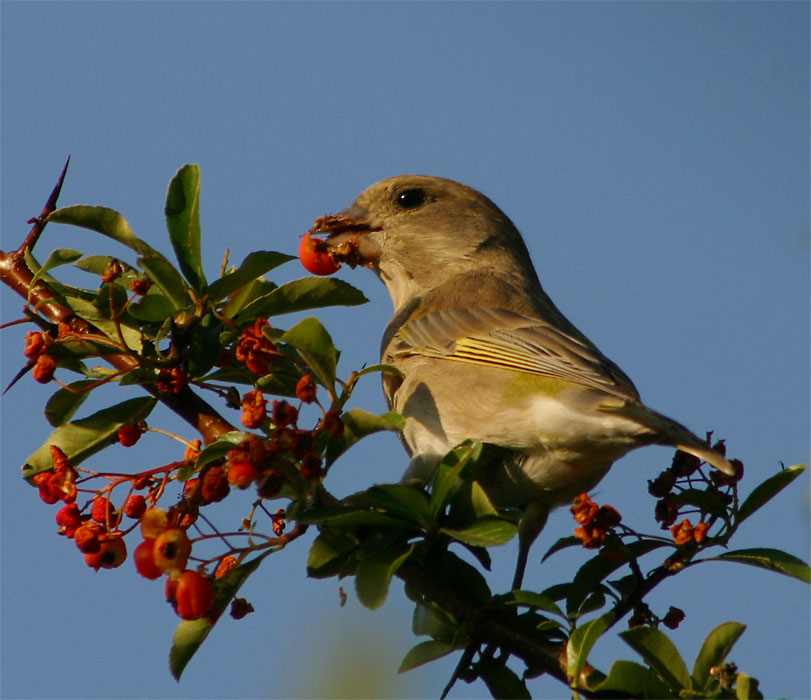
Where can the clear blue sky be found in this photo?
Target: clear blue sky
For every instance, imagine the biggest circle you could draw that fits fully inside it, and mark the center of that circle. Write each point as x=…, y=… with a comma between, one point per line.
x=655, y=156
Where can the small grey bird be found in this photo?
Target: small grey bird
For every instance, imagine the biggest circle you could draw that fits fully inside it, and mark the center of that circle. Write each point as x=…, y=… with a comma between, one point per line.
x=486, y=355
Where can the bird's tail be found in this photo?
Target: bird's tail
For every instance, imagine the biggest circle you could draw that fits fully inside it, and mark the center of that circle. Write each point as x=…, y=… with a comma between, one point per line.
x=669, y=432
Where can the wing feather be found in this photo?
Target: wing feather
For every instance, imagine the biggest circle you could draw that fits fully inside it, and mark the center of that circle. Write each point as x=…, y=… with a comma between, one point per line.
x=497, y=337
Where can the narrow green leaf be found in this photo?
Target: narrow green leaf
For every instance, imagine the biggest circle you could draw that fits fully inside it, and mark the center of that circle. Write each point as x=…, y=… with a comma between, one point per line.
x=102, y=220
x=374, y=573
x=660, y=654
x=714, y=651
x=304, y=294
x=315, y=346
x=771, y=559
x=190, y=634
x=423, y=653
x=350, y=517
x=87, y=436
x=632, y=680
x=183, y=221
x=253, y=266
x=166, y=278
x=581, y=642
x=60, y=256
x=486, y=531
x=768, y=489
x=62, y=405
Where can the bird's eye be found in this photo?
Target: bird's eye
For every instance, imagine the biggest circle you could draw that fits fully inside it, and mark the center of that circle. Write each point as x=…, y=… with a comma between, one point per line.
x=410, y=199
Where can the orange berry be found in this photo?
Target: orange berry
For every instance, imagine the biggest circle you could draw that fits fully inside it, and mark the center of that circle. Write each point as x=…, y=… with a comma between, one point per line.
x=153, y=522
x=111, y=554
x=171, y=550
x=194, y=595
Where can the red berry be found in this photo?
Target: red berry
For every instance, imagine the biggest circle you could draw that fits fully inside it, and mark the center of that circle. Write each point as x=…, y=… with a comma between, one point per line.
x=86, y=538
x=135, y=506
x=305, y=389
x=145, y=561
x=242, y=474
x=314, y=257
x=102, y=511
x=194, y=595
x=69, y=519
x=128, y=435
x=44, y=369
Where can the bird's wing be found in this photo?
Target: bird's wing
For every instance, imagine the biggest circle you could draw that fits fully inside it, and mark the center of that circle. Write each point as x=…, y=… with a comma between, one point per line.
x=497, y=337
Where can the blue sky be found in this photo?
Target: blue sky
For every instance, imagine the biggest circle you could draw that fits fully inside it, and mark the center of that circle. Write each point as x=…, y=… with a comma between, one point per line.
x=656, y=158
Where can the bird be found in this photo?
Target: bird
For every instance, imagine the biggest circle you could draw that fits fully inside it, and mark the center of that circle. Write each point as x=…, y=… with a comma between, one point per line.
x=485, y=355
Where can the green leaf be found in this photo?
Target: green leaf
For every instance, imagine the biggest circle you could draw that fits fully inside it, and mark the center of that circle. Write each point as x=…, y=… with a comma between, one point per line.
x=632, y=680
x=183, y=221
x=315, y=346
x=714, y=651
x=746, y=688
x=423, y=653
x=448, y=472
x=588, y=578
x=62, y=405
x=768, y=489
x=190, y=634
x=535, y=601
x=304, y=294
x=374, y=573
x=87, y=436
x=204, y=345
x=330, y=552
x=434, y=622
x=218, y=450
x=562, y=543
x=99, y=318
x=581, y=642
x=60, y=256
x=359, y=424
x=402, y=501
x=660, y=654
x=501, y=681
x=771, y=559
x=152, y=307
x=102, y=220
x=350, y=517
x=486, y=531
x=253, y=266
x=166, y=278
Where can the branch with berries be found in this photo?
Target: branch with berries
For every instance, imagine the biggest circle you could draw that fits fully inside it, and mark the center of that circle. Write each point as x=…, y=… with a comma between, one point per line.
x=277, y=422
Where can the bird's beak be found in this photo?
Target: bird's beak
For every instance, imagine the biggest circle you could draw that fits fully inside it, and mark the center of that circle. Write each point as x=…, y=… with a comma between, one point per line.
x=347, y=238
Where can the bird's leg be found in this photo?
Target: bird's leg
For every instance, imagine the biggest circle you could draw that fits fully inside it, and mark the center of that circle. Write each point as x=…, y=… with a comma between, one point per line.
x=529, y=527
